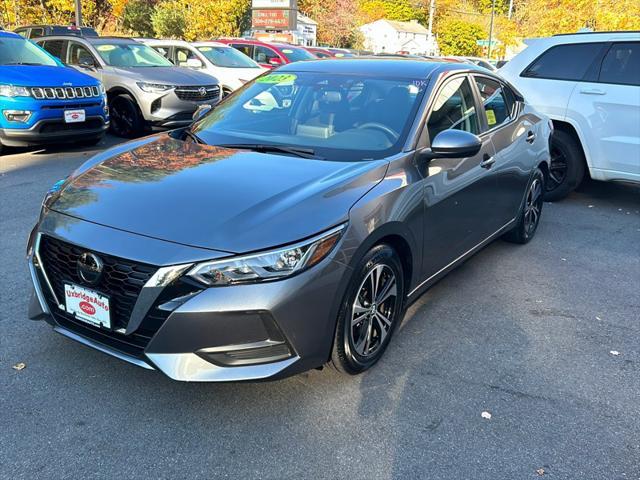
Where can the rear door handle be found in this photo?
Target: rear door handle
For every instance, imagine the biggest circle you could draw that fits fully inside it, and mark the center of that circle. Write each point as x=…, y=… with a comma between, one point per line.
x=592, y=91
x=487, y=161
x=531, y=137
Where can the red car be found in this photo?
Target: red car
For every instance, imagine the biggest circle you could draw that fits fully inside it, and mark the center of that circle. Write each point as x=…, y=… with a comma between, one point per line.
x=320, y=52
x=269, y=55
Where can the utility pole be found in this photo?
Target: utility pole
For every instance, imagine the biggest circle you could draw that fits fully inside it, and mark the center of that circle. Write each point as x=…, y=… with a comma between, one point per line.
x=493, y=11
x=432, y=9
x=78, y=13
x=510, y=8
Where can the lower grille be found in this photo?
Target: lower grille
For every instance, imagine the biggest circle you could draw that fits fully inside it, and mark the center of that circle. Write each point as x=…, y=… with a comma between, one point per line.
x=57, y=126
x=198, y=94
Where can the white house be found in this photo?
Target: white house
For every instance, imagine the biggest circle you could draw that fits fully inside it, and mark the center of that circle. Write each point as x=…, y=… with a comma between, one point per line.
x=388, y=36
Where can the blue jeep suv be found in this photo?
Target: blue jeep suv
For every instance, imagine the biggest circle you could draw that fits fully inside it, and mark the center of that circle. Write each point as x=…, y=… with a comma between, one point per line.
x=42, y=101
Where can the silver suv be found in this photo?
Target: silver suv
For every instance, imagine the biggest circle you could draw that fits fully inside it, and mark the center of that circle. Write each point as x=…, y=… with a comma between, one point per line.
x=144, y=89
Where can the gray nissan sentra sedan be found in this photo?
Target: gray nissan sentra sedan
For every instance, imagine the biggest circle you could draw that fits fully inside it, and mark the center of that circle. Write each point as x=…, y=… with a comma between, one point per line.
x=290, y=226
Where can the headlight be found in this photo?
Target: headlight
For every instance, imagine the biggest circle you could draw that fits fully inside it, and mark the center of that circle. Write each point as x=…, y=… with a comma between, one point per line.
x=271, y=265
x=13, y=91
x=154, y=87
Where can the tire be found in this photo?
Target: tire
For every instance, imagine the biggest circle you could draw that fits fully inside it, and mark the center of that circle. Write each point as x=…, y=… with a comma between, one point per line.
x=359, y=344
x=126, y=119
x=530, y=211
x=566, y=166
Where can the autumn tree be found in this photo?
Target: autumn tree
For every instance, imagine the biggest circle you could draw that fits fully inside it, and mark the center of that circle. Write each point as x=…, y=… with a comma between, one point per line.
x=136, y=18
x=459, y=37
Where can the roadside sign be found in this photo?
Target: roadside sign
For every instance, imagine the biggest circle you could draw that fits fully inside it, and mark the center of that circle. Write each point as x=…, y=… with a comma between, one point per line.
x=274, y=19
x=486, y=43
x=271, y=4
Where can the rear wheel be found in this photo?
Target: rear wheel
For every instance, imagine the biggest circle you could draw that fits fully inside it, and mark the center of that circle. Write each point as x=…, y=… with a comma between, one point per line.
x=566, y=166
x=371, y=310
x=126, y=119
x=529, y=216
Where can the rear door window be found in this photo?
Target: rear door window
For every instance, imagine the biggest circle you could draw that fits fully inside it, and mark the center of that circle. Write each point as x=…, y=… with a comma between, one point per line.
x=497, y=104
x=621, y=64
x=565, y=62
x=23, y=32
x=54, y=47
x=36, y=32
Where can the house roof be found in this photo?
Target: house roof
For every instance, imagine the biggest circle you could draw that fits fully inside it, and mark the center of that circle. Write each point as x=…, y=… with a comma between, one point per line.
x=409, y=27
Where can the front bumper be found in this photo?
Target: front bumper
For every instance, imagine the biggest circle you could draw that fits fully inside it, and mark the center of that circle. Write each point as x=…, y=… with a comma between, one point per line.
x=54, y=130
x=169, y=110
x=244, y=332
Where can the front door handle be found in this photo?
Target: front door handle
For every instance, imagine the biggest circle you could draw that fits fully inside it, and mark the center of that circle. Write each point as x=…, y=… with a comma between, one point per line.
x=487, y=161
x=592, y=91
x=531, y=137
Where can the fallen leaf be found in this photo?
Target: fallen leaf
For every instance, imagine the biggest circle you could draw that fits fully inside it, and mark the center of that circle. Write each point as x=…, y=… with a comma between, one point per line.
x=615, y=353
x=19, y=366
x=486, y=415
x=540, y=472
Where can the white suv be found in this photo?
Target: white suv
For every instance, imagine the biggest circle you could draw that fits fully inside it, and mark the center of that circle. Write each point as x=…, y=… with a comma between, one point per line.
x=230, y=66
x=589, y=85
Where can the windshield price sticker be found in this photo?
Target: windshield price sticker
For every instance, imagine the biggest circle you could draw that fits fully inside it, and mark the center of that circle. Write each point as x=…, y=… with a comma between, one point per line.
x=277, y=78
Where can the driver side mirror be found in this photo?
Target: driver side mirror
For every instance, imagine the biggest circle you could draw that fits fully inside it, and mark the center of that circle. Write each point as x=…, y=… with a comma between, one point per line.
x=275, y=61
x=201, y=111
x=194, y=63
x=452, y=144
x=86, y=62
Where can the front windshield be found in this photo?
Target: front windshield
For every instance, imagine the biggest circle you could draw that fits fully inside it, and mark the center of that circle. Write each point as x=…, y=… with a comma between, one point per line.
x=297, y=54
x=340, y=117
x=227, y=57
x=131, y=55
x=18, y=51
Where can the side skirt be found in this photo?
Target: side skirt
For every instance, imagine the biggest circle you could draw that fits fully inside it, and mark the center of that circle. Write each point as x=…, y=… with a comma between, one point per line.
x=425, y=284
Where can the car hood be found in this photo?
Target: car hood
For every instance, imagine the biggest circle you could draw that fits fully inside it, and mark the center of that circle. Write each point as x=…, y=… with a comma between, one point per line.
x=168, y=75
x=217, y=198
x=44, y=76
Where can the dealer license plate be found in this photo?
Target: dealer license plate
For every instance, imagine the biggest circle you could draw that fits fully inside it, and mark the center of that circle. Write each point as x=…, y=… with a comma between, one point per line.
x=87, y=305
x=74, y=116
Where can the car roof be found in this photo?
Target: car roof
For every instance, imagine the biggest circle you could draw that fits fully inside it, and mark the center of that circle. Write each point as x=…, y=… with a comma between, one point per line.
x=379, y=66
x=584, y=37
x=6, y=34
x=210, y=43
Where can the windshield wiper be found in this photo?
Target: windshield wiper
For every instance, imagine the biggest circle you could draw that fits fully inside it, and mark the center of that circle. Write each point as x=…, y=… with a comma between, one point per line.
x=25, y=63
x=193, y=136
x=264, y=147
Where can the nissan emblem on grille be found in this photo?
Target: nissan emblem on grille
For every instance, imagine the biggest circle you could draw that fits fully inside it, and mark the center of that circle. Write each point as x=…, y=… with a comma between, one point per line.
x=90, y=268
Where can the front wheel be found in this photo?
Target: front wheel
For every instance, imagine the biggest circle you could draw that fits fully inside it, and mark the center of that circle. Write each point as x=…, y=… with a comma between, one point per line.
x=126, y=119
x=566, y=166
x=529, y=216
x=371, y=310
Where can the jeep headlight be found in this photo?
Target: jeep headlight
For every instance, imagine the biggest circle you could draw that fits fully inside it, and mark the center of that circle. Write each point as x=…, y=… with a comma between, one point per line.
x=270, y=265
x=14, y=91
x=154, y=87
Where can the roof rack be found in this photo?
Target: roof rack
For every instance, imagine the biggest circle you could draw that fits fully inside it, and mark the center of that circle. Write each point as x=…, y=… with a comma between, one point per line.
x=597, y=33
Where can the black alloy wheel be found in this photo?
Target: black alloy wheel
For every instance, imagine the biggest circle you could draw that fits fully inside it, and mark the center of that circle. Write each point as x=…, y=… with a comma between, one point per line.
x=529, y=216
x=372, y=308
x=125, y=117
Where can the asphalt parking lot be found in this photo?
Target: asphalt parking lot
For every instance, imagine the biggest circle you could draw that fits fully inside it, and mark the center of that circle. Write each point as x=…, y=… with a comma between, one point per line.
x=544, y=337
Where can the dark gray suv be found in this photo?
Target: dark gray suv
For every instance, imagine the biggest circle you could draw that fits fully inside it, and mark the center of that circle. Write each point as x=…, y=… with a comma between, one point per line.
x=293, y=224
